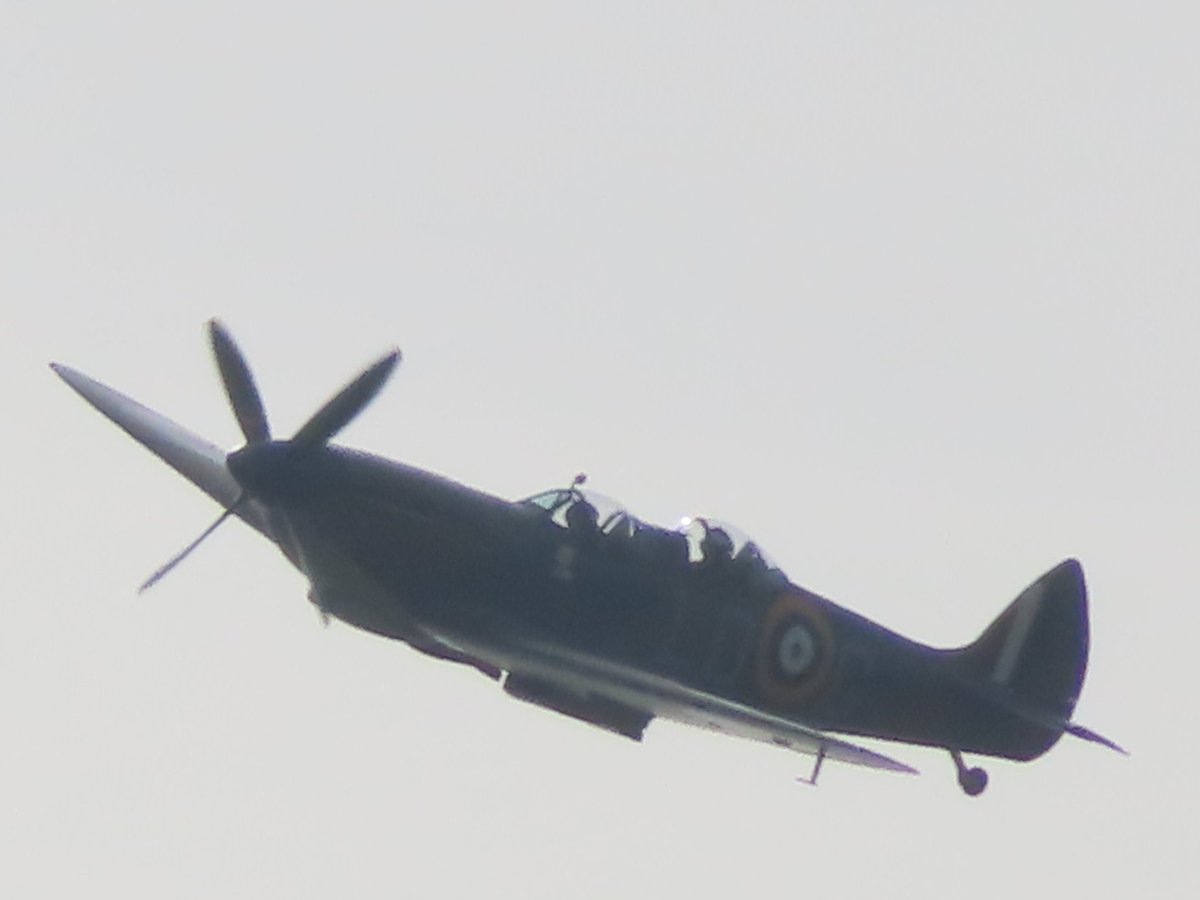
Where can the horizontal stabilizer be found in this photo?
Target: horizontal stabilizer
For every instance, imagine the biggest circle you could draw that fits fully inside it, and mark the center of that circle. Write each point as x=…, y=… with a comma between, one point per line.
x=1088, y=735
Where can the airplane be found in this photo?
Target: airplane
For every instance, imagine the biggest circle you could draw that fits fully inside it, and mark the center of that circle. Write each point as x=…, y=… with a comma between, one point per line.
x=571, y=603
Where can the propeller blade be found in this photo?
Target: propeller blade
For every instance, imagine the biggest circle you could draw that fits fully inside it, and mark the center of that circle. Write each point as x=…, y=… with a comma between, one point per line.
x=239, y=385
x=348, y=403
x=175, y=560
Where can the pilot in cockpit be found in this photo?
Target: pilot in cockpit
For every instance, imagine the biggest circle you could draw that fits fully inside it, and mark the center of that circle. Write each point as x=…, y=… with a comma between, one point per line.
x=716, y=547
x=583, y=521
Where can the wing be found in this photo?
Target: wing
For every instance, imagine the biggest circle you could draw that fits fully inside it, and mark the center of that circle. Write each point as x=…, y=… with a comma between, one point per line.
x=589, y=677
x=203, y=463
x=197, y=460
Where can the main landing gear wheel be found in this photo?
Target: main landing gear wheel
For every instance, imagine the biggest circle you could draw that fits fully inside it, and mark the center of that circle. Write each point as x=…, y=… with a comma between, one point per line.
x=972, y=780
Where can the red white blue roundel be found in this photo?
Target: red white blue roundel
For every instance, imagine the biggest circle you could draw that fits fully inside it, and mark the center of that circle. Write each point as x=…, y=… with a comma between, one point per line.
x=794, y=659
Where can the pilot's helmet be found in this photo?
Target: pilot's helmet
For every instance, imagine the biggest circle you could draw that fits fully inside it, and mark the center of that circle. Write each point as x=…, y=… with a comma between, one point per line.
x=717, y=544
x=582, y=517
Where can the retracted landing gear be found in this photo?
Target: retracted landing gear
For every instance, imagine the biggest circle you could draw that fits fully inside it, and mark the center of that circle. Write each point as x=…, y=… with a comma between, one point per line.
x=971, y=780
x=812, y=779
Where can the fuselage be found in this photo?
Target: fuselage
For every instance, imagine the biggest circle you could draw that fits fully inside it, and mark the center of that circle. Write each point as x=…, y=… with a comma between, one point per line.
x=406, y=553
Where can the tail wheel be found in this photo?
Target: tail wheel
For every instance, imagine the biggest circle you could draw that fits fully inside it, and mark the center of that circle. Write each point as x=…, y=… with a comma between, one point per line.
x=794, y=659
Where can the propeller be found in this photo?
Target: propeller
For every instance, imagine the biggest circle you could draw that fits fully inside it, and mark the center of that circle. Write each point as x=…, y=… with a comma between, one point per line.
x=345, y=405
x=182, y=554
x=251, y=416
x=239, y=385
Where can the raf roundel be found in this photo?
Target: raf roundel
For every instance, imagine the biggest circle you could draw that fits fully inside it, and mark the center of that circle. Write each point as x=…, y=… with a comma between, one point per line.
x=795, y=652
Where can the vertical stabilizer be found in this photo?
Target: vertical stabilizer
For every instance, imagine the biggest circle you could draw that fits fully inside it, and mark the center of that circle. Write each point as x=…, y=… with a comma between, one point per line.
x=1036, y=651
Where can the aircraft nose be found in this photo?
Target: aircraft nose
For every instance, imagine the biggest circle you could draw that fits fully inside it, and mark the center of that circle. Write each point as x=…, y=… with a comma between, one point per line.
x=263, y=470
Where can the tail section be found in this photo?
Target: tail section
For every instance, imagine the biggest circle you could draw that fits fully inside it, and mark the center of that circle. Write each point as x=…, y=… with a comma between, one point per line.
x=1030, y=663
x=1010, y=693
x=1035, y=652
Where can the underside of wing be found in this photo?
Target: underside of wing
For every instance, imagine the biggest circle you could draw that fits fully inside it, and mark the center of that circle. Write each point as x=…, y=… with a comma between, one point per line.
x=717, y=714
x=625, y=699
x=196, y=459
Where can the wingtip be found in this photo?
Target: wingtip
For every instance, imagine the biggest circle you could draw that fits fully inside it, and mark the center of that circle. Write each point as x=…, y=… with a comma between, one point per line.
x=73, y=377
x=901, y=768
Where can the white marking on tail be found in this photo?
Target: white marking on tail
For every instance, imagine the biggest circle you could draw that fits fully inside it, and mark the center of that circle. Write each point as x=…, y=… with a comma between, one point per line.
x=1027, y=608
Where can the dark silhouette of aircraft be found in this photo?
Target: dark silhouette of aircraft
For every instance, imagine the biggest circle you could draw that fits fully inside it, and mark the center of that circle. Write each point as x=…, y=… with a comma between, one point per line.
x=612, y=620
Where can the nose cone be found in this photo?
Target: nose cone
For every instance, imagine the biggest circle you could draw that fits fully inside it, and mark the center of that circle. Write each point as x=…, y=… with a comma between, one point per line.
x=267, y=471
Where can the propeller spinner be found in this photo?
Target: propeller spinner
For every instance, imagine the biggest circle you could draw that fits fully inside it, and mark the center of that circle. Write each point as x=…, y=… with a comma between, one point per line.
x=251, y=416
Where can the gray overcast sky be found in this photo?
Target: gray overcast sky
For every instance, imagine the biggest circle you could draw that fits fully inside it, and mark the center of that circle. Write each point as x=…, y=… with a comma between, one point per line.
x=908, y=294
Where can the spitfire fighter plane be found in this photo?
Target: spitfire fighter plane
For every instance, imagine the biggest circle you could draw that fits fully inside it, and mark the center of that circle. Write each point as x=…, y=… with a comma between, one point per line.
x=575, y=605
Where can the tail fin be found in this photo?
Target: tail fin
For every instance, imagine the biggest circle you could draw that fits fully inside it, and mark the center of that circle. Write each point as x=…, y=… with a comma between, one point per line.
x=1035, y=655
x=1036, y=650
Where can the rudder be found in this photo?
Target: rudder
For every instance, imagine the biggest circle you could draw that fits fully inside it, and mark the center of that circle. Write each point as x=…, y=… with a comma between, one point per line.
x=1036, y=650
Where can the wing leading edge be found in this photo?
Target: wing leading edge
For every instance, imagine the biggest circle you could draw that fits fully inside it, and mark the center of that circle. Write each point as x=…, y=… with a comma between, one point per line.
x=197, y=460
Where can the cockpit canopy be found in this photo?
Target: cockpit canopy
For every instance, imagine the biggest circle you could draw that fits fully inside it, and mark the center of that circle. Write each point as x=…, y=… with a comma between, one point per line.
x=708, y=540
x=565, y=504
